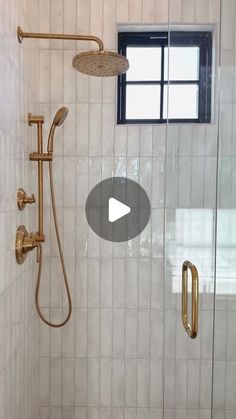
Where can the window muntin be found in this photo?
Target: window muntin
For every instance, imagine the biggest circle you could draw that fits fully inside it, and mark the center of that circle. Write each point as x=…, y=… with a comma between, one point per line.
x=177, y=77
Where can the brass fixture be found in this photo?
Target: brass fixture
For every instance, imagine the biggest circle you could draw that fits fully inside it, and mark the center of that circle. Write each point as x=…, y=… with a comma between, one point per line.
x=192, y=330
x=99, y=63
x=23, y=199
x=26, y=242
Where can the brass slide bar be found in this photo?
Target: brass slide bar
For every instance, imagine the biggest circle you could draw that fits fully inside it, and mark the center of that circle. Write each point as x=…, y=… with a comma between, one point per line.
x=36, y=35
x=192, y=330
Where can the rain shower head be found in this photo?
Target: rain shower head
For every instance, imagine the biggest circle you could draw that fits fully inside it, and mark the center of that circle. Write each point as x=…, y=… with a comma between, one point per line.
x=100, y=63
x=58, y=120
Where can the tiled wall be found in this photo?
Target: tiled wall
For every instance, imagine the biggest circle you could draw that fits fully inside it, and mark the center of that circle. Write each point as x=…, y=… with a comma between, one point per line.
x=124, y=353
x=18, y=321
x=224, y=402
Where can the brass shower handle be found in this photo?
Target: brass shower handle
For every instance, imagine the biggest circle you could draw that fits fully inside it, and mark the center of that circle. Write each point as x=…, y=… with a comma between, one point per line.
x=191, y=329
x=23, y=199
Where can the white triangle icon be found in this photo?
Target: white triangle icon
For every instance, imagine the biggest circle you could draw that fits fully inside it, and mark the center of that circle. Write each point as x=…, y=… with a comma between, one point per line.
x=117, y=210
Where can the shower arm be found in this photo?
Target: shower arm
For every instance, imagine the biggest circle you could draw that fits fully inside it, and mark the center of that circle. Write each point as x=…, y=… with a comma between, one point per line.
x=36, y=35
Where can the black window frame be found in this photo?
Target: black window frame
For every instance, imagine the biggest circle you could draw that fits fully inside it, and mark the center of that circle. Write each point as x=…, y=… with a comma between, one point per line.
x=201, y=39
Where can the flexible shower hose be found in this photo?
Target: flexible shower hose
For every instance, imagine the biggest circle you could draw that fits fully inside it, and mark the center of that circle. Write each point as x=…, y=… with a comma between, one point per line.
x=62, y=263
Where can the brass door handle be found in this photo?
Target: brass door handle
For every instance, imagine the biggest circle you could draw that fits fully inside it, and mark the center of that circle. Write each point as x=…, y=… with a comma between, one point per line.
x=191, y=329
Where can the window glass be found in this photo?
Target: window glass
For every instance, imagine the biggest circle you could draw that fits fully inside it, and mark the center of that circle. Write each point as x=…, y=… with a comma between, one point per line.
x=181, y=102
x=143, y=102
x=145, y=63
x=184, y=63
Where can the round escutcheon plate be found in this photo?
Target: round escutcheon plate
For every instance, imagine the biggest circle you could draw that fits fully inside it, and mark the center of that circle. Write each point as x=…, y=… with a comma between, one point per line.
x=21, y=234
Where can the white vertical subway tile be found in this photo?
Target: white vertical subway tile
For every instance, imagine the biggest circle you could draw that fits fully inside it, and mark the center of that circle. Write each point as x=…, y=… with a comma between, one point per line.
x=133, y=140
x=162, y=11
x=93, y=332
x=118, y=338
x=93, y=382
x=68, y=380
x=81, y=283
x=69, y=21
x=118, y=282
x=144, y=283
x=109, y=91
x=193, y=383
x=44, y=21
x=106, y=333
x=108, y=114
x=56, y=22
x=146, y=137
x=80, y=382
x=95, y=130
x=157, y=333
x=122, y=11
x=69, y=181
x=131, y=283
x=93, y=283
x=95, y=90
x=69, y=232
x=143, y=333
x=143, y=383
x=96, y=21
x=56, y=382
x=131, y=333
x=109, y=24
x=202, y=11
x=56, y=76
x=148, y=11
x=135, y=10
x=175, y=11
x=118, y=382
x=105, y=381
x=69, y=78
x=81, y=331
x=227, y=25
x=189, y=11
x=156, y=383
x=82, y=87
x=106, y=282
x=83, y=11
x=120, y=140
x=82, y=129
x=44, y=79
x=131, y=382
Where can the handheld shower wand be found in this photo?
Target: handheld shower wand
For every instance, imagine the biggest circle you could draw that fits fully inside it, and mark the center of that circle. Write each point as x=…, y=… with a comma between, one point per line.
x=57, y=121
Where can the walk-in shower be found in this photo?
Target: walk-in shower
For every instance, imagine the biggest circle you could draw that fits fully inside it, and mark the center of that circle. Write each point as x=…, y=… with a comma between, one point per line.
x=95, y=63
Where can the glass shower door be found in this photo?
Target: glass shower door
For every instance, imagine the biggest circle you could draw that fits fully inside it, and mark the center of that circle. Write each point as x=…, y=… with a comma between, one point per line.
x=224, y=385
x=190, y=217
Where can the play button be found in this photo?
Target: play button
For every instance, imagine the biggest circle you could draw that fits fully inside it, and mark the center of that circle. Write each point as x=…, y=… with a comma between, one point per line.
x=118, y=209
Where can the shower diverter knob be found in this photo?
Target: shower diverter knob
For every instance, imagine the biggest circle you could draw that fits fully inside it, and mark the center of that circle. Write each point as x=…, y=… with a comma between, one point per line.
x=23, y=199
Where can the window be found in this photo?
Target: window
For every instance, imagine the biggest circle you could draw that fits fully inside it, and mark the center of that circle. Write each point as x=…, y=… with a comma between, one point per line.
x=169, y=77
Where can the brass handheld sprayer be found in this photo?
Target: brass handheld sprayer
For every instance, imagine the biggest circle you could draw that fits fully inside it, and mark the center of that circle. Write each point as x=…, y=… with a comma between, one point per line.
x=26, y=242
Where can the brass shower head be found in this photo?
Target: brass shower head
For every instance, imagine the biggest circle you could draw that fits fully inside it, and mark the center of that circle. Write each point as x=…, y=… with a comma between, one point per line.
x=58, y=120
x=100, y=63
